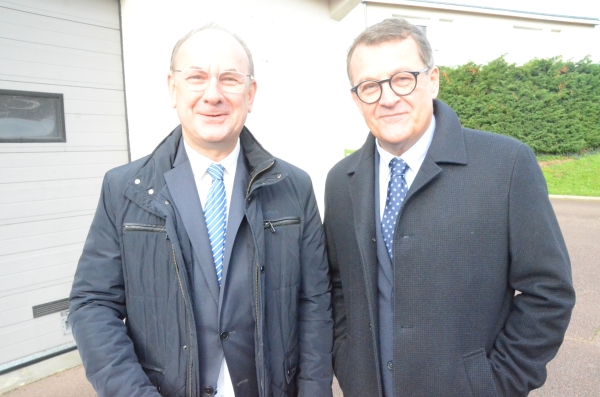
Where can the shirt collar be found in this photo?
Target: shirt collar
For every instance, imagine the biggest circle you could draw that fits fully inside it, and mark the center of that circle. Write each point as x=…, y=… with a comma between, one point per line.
x=415, y=155
x=201, y=163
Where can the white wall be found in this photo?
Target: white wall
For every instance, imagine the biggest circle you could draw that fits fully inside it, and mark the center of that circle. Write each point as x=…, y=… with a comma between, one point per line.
x=49, y=191
x=303, y=111
x=459, y=37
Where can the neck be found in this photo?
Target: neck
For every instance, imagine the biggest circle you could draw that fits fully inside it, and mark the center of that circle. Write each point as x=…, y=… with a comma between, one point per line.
x=216, y=151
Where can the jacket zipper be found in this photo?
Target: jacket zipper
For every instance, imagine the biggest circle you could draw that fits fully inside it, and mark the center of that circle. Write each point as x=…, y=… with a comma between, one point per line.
x=256, y=175
x=280, y=222
x=186, y=311
x=256, y=276
x=257, y=322
x=138, y=227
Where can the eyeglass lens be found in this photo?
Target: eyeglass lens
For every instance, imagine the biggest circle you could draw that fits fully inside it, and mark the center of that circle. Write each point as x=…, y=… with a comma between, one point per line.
x=198, y=80
x=402, y=83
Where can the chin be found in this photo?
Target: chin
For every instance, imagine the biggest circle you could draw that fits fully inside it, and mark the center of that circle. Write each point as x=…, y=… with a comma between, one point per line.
x=395, y=137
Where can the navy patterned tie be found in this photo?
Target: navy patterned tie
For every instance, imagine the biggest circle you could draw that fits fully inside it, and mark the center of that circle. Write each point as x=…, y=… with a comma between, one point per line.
x=397, y=189
x=215, y=215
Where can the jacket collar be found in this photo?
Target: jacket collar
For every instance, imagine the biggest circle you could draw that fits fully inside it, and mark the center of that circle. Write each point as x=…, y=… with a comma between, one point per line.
x=262, y=167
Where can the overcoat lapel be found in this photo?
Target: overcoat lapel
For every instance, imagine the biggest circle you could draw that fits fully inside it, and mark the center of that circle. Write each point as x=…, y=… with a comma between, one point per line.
x=447, y=146
x=182, y=186
x=429, y=170
x=362, y=193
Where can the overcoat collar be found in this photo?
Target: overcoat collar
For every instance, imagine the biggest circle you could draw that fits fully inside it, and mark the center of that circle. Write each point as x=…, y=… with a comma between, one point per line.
x=447, y=147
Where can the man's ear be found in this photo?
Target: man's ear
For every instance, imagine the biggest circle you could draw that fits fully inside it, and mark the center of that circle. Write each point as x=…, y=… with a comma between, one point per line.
x=434, y=78
x=172, y=89
x=251, y=94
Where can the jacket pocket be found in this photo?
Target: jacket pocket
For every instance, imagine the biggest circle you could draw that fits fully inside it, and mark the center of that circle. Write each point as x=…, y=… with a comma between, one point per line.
x=155, y=374
x=480, y=374
x=272, y=225
x=138, y=227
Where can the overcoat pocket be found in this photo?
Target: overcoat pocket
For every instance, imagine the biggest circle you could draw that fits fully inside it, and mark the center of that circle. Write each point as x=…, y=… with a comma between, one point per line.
x=480, y=374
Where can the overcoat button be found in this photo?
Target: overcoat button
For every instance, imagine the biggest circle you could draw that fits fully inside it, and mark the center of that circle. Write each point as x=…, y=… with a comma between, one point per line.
x=390, y=365
x=209, y=390
x=289, y=372
x=278, y=176
x=184, y=347
x=224, y=335
x=374, y=240
x=262, y=269
x=167, y=202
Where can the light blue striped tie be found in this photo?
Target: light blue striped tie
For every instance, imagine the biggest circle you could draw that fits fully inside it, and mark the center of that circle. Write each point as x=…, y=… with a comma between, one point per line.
x=215, y=216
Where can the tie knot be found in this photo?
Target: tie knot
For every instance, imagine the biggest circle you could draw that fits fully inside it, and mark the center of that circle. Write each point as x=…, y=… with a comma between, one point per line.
x=398, y=166
x=216, y=172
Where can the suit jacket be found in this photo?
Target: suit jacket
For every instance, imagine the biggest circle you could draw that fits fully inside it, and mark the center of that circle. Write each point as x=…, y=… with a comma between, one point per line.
x=476, y=227
x=224, y=322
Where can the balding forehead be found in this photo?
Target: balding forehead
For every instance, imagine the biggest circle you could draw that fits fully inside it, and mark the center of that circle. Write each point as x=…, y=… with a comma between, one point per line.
x=215, y=38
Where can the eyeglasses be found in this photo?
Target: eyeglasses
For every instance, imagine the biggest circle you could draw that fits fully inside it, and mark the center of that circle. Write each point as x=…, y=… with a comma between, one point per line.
x=402, y=83
x=197, y=80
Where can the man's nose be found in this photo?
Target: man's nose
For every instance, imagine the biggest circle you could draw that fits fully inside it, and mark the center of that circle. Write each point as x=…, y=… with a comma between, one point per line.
x=388, y=96
x=213, y=91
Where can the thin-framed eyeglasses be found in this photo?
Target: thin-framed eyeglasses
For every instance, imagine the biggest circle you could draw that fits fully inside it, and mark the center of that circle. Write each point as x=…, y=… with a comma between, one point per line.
x=197, y=80
x=402, y=83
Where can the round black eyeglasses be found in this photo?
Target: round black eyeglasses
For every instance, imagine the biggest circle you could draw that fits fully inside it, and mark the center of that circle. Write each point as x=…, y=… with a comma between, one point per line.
x=402, y=83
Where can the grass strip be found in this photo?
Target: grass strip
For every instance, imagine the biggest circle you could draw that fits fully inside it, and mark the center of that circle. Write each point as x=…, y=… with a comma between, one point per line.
x=572, y=176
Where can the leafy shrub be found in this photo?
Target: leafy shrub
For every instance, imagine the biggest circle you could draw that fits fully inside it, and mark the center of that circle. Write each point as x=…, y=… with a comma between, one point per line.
x=549, y=104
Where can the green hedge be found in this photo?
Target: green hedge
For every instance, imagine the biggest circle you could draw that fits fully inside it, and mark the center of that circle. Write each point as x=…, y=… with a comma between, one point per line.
x=551, y=105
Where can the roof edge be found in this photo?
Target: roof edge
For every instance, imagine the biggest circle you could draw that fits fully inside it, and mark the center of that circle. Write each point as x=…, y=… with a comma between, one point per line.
x=492, y=11
x=338, y=9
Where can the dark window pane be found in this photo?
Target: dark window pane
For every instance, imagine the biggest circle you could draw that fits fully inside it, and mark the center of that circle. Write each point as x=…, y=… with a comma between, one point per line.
x=31, y=117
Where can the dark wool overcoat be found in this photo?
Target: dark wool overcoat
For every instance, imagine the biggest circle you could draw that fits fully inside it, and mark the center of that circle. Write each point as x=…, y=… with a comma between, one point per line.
x=476, y=227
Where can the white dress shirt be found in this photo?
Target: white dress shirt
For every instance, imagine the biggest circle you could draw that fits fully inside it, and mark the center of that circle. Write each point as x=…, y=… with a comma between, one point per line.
x=203, y=180
x=414, y=157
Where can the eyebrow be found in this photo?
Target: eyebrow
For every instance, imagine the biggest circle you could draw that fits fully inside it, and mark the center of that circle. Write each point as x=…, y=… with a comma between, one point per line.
x=397, y=70
x=225, y=70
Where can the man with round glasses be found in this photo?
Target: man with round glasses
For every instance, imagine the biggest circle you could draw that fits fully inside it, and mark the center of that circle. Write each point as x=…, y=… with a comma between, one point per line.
x=450, y=276
x=204, y=272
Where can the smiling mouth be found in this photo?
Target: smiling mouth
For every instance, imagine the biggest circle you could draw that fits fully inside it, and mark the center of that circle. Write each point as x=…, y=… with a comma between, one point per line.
x=391, y=115
x=216, y=117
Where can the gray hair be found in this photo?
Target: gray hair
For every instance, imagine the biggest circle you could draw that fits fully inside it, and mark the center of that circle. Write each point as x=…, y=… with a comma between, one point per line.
x=392, y=29
x=212, y=26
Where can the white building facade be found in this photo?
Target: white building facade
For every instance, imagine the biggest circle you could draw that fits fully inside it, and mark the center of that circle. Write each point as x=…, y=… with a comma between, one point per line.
x=462, y=33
